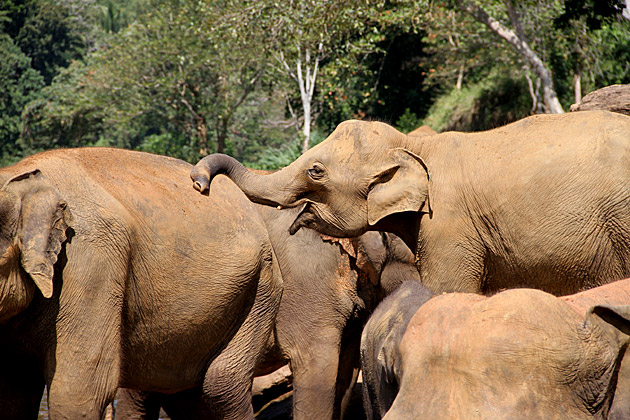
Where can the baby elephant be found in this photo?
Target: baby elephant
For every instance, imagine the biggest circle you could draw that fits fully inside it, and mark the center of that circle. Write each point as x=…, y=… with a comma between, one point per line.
x=520, y=354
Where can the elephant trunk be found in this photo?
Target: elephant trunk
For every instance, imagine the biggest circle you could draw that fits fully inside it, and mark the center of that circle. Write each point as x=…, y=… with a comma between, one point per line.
x=269, y=189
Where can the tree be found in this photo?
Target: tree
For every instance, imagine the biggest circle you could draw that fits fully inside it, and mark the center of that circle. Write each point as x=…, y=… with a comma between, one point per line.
x=516, y=38
x=553, y=45
x=583, y=25
x=311, y=32
x=19, y=84
x=38, y=38
x=177, y=73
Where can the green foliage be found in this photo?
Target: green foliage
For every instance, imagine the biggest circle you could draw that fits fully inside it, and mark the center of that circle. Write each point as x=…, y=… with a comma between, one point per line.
x=408, y=121
x=47, y=33
x=188, y=77
x=482, y=106
x=178, y=72
x=115, y=15
x=19, y=84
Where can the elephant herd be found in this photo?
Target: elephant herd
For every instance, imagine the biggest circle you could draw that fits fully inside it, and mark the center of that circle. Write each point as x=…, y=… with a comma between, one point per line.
x=467, y=275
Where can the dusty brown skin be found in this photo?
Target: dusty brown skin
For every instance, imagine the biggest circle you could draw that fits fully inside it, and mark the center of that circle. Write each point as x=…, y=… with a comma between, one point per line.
x=423, y=130
x=543, y=202
x=330, y=288
x=615, y=293
x=520, y=354
x=147, y=285
x=615, y=98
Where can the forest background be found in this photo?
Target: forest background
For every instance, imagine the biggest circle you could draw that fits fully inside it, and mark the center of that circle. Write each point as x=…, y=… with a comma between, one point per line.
x=263, y=80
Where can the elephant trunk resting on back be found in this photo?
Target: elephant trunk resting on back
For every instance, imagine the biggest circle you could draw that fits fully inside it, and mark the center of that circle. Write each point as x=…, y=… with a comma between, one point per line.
x=330, y=286
x=112, y=274
x=543, y=202
x=518, y=354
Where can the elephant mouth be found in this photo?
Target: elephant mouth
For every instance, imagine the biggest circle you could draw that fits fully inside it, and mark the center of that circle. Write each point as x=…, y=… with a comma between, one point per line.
x=307, y=218
x=313, y=217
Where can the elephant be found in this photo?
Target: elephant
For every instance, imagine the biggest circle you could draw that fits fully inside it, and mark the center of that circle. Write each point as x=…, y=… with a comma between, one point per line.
x=381, y=334
x=543, y=202
x=521, y=353
x=113, y=275
x=330, y=286
x=423, y=130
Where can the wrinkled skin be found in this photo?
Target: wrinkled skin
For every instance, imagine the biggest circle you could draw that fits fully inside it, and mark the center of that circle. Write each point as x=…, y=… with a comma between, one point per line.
x=543, y=202
x=113, y=275
x=520, y=354
x=330, y=287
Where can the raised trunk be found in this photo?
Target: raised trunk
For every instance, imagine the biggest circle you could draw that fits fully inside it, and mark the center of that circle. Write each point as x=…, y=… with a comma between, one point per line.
x=272, y=190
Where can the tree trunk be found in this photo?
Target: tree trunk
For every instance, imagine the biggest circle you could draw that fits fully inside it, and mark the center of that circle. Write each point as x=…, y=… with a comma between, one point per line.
x=306, y=81
x=577, y=87
x=221, y=130
x=306, y=129
x=550, y=99
x=460, y=77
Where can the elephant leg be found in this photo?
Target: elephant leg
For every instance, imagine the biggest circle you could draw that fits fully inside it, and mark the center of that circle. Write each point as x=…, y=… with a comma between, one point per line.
x=227, y=385
x=83, y=365
x=84, y=390
x=315, y=368
x=446, y=267
x=132, y=404
x=21, y=387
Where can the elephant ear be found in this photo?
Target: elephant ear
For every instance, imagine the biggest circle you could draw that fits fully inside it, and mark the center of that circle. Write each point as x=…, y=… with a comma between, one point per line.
x=614, y=319
x=402, y=186
x=41, y=228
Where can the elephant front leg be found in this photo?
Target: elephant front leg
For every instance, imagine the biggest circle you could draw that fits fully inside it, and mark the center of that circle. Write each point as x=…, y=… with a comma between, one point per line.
x=448, y=265
x=315, y=367
x=83, y=370
x=83, y=362
x=82, y=388
x=137, y=405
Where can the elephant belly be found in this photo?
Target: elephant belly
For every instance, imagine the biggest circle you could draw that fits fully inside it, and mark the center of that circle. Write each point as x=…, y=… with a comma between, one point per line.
x=173, y=328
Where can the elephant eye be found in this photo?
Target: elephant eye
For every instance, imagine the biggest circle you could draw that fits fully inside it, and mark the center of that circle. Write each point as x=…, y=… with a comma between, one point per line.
x=316, y=172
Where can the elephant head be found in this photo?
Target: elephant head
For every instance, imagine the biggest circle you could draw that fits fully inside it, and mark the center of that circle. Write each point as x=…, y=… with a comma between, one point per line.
x=33, y=222
x=350, y=183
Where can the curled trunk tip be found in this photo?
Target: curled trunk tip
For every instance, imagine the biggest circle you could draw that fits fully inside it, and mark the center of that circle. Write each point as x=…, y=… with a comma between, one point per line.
x=207, y=168
x=200, y=177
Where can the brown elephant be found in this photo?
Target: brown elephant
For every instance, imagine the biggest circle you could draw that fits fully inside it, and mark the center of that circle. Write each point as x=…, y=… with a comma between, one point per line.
x=112, y=274
x=520, y=354
x=330, y=288
x=543, y=202
x=423, y=130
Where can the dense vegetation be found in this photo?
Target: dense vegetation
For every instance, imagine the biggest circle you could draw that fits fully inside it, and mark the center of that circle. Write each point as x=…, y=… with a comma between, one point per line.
x=263, y=79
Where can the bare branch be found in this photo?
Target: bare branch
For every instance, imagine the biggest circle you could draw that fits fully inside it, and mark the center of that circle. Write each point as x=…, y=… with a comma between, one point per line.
x=549, y=94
